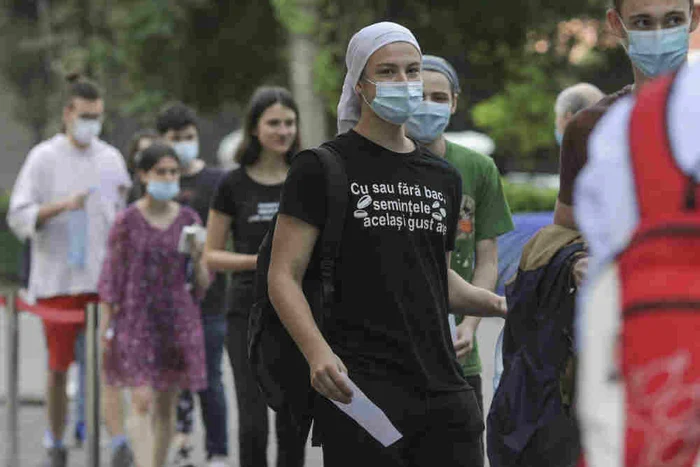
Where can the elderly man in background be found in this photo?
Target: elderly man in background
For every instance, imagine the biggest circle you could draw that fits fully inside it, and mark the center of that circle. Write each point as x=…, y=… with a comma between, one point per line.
x=570, y=101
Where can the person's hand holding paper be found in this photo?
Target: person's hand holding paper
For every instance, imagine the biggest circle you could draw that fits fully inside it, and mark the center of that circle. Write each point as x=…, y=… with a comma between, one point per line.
x=368, y=415
x=327, y=371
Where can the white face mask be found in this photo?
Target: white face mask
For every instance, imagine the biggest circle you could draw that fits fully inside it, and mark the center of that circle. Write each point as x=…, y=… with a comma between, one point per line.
x=86, y=129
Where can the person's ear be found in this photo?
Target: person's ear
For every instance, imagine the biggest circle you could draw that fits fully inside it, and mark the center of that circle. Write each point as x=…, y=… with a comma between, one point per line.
x=615, y=24
x=455, y=100
x=358, y=87
x=695, y=17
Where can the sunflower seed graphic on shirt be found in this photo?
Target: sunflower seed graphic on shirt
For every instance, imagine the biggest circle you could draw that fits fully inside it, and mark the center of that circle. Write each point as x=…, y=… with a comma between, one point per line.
x=437, y=216
x=365, y=201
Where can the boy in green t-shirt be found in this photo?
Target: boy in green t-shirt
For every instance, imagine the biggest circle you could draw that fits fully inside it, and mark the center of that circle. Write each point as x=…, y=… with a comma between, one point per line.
x=484, y=213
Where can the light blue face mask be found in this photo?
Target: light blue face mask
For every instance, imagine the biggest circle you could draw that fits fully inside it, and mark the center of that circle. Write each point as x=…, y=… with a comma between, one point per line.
x=429, y=121
x=659, y=51
x=163, y=191
x=187, y=151
x=395, y=102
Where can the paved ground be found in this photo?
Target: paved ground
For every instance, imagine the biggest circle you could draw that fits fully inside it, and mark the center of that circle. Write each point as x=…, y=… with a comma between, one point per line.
x=32, y=420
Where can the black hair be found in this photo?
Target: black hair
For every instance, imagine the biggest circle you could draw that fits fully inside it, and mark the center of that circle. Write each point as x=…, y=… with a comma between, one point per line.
x=133, y=146
x=80, y=87
x=153, y=154
x=264, y=97
x=175, y=116
x=617, y=5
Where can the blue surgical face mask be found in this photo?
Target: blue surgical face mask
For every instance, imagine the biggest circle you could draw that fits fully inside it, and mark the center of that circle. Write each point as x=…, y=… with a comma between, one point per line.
x=187, y=151
x=163, y=191
x=395, y=102
x=429, y=121
x=659, y=51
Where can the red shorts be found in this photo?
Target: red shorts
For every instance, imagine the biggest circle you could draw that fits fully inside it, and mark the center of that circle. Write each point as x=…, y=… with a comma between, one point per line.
x=61, y=337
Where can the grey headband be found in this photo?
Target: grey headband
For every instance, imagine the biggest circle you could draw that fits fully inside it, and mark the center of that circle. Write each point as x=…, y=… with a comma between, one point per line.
x=361, y=47
x=433, y=63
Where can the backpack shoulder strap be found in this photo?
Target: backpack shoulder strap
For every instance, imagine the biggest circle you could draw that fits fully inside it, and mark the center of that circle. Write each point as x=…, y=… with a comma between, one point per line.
x=336, y=207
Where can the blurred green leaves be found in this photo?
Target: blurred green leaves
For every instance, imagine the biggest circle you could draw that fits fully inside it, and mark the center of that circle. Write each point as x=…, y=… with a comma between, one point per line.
x=214, y=53
x=523, y=197
x=521, y=117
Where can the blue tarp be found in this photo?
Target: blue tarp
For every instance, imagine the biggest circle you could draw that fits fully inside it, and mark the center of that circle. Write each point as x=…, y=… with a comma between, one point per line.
x=510, y=245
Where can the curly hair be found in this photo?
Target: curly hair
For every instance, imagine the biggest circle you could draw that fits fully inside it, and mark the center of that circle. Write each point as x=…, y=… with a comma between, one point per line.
x=175, y=116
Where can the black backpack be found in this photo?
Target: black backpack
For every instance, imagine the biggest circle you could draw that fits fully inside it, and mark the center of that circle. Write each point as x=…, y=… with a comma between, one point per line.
x=531, y=422
x=279, y=367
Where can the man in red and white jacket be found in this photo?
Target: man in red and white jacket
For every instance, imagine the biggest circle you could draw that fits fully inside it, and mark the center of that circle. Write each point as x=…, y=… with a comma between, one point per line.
x=635, y=202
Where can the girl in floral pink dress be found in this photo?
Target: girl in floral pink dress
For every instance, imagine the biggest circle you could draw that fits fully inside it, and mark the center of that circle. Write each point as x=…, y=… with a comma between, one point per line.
x=151, y=326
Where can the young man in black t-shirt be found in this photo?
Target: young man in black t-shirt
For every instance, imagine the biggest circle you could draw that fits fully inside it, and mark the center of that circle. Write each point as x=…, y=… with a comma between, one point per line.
x=388, y=331
x=177, y=124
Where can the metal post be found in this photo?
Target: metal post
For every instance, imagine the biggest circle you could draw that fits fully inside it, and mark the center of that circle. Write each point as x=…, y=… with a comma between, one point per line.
x=93, y=386
x=12, y=378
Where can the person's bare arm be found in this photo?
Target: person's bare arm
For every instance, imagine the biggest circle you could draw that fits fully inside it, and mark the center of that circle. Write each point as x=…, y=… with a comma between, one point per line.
x=466, y=299
x=217, y=258
x=564, y=215
x=292, y=246
x=201, y=271
x=485, y=276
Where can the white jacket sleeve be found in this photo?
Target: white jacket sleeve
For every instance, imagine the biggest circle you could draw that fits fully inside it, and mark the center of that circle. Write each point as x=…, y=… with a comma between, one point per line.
x=26, y=199
x=604, y=198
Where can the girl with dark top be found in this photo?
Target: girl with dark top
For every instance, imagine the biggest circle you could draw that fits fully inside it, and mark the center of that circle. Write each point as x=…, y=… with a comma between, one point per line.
x=245, y=203
x=151, y=323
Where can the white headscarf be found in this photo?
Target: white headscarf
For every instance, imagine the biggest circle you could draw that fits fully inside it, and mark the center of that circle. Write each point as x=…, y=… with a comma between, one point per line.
x=361, y=47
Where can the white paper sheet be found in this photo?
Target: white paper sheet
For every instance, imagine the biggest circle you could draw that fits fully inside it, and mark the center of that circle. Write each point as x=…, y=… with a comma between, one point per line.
x=453, y=327
x=198, y=231
x=369, y=416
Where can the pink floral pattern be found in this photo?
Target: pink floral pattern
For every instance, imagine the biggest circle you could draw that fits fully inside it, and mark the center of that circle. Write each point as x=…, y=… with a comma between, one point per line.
x=158, y=339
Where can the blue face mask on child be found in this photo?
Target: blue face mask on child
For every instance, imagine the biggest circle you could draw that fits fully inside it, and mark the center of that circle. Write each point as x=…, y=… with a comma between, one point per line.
x=163, y=191
x=659, y=51
x=395, y=102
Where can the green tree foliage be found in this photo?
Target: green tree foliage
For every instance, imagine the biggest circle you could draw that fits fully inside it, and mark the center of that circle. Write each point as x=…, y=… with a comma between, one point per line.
x=214, y=53
x=523, y=197
x=206, y=52
x=25, y=65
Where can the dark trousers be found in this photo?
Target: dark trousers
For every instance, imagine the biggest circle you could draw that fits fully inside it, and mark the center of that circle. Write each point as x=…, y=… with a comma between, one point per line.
x=438, y=429
x=475, y=382
x=213, y=399
x=252, y=410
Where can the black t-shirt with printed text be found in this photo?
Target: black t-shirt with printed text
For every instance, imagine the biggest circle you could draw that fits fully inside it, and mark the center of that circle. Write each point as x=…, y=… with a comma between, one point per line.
x=390, y=320
x=197, y=191
x=251, y=206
